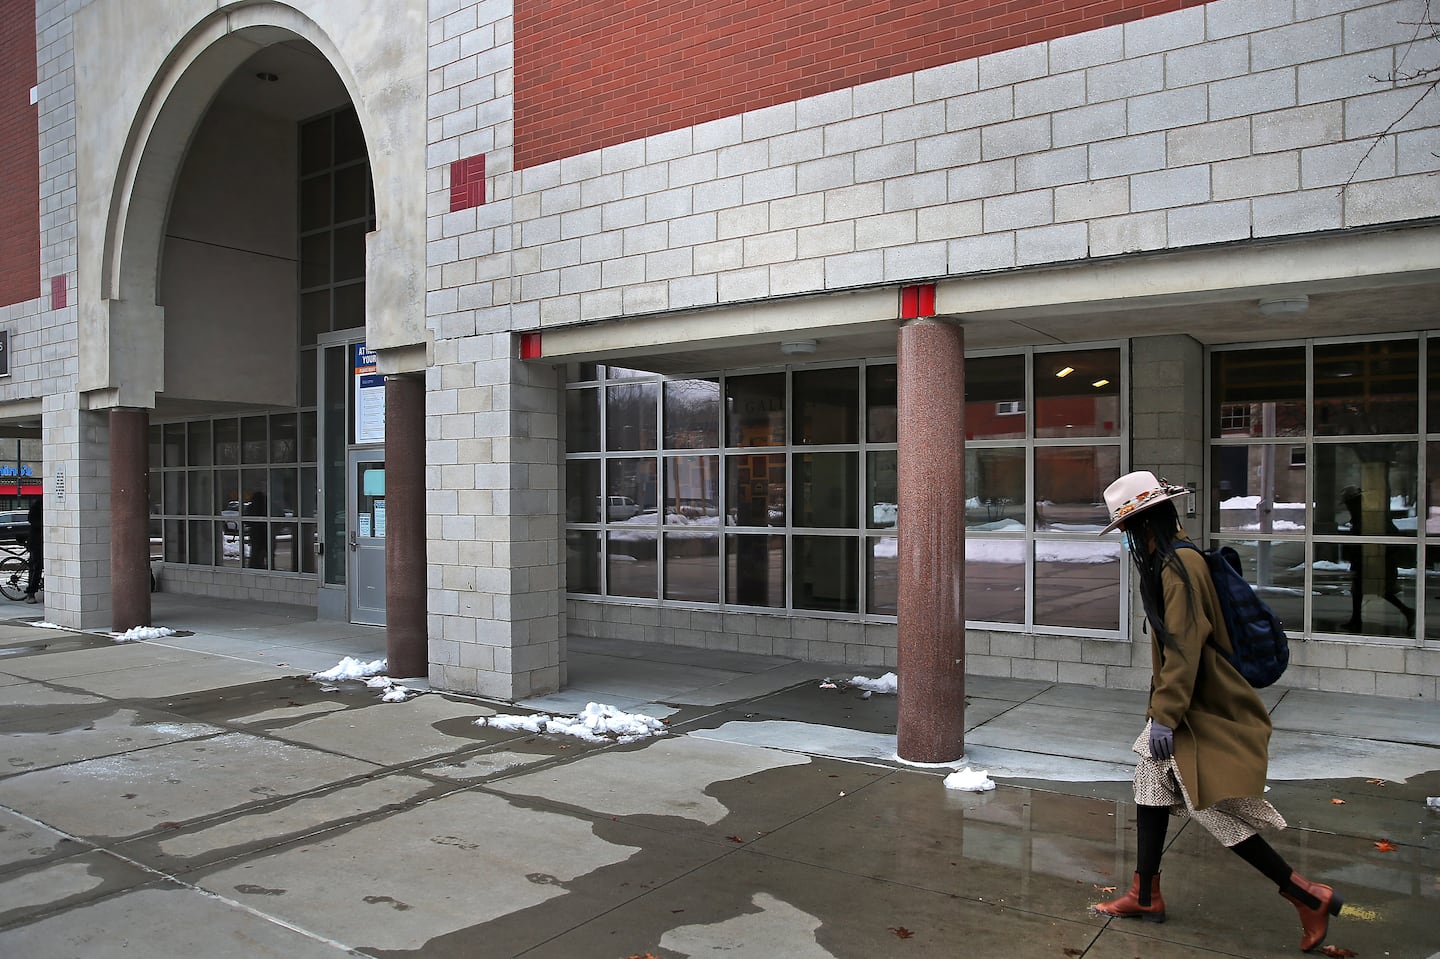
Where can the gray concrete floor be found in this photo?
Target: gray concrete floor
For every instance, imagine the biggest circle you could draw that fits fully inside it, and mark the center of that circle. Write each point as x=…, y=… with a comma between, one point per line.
x=196, y=795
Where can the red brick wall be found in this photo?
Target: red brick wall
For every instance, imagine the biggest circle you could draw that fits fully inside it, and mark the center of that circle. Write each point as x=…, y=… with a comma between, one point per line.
x=593, y=73
x=19, y=156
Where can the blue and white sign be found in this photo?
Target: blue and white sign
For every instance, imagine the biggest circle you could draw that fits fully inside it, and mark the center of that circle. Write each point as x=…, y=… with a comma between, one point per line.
x=369, y=397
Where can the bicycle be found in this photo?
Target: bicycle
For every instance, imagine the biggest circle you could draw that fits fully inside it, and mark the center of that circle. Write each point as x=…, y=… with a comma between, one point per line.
x=15, y=572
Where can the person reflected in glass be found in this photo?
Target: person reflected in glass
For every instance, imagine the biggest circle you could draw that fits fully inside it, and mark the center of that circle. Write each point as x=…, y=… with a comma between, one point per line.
x=1204, y=751
x=256, y=552
x=1388, y=587
x=35, y=543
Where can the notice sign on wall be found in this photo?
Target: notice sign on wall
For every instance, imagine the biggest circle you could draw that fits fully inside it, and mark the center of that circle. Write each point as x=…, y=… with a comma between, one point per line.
x=369, y=398
x=4, y=352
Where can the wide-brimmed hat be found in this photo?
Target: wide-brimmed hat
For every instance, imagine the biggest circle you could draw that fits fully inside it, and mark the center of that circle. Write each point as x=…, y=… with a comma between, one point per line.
x=1134, y=492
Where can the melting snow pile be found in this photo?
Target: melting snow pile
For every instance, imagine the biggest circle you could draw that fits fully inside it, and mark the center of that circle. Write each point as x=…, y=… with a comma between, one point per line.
x=596, y=723
x=371, y=673
x=137, y=633
x=885, y=684
x=970, y=780
x=350, y=668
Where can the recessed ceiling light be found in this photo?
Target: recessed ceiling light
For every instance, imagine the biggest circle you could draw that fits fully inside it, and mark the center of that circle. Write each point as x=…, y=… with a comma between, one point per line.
x=1285, y=305
x=1065, y=372
x=1099, y=383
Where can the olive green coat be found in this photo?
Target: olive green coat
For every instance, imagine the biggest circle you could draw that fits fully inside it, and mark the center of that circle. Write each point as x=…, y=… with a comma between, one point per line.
x=1222, y=729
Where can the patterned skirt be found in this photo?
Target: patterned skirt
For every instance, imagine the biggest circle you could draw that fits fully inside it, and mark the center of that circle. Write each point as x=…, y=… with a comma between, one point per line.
x=1232, y=821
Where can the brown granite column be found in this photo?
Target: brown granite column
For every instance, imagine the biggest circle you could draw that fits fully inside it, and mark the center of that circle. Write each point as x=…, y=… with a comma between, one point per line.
x=406, y=640
x=129, y=519
x=931, y=631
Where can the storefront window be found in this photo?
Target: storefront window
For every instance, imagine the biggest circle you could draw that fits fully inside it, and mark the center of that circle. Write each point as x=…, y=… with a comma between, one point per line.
x=764, y=491
x=1333, y=526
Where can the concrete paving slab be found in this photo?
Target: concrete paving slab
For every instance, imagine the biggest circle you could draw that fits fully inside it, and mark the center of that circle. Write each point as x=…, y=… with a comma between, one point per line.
x=1366, y=810
x=477, y=767
x=279, y=822
x=63, y=883
x=395, y=733
x=1004, y=687
x=752, y=684
x=38, y=737
x=693, y=786
x=1100, y=735
x=1397, y=721
x=23, y=841
x=747, y=904
x=678, y=655
x=1131, y=702
x=171, y=679
x=164, y=921
x=978, y=712
x=111, y=657
x=31, y=693
x=10, y=679
x=445, y=866
x=1303, y=755
x=143, y=790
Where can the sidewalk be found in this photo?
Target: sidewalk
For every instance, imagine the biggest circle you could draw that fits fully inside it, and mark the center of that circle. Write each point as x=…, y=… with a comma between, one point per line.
x=195, y=795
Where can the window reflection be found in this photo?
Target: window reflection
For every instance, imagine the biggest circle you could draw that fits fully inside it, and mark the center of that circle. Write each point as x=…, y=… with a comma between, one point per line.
x=1258, y=392
x=826, y=404
x=582, y=421
x=755, y=570
x=1276, y=568
x=995, y=397
x=1260, y=488
x=1366, y=489
x=582, y=561
x=692, y=414
x=883, y=575
x=881, y=396
x=630, y=563
x=755, y=489
x=755, y=410
x=632, y=491
x=1070, y=486
x=994, y=580
x=883, y=484
x=692, y=491
x=1077, y=393
x=582, y=491
x=631, y=417
x=995, y=487
x=1367, y=388
x=825, y=490
x=1077, y=584
x=692, y=566
x=826, y=571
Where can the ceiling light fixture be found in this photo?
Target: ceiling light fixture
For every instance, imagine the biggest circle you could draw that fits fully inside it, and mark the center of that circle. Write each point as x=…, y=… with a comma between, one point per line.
x=1099, y=383
x=1065, y=372
x=797, y=347
x=1285, y=305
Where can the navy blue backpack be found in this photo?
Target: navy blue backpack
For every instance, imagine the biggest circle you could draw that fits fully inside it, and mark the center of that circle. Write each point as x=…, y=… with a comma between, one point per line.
x=1261, y=651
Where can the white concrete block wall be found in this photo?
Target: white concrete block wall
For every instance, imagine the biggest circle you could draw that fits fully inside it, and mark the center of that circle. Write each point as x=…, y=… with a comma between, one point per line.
x=1237, y=119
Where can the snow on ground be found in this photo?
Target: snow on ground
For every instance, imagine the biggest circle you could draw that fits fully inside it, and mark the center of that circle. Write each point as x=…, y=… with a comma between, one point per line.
x=596, y=723
x=885, y=684
x=372, y=673
x=136, y=634
x=970, y=780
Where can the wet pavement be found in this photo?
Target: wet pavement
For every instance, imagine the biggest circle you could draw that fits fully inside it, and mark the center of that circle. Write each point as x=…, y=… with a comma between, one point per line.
x=197, y=795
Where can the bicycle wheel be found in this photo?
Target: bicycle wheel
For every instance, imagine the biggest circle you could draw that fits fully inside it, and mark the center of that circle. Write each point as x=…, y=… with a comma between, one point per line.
x=13, y=573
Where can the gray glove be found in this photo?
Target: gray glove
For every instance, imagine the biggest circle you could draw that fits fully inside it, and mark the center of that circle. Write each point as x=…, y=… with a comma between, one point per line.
x=1162, y=741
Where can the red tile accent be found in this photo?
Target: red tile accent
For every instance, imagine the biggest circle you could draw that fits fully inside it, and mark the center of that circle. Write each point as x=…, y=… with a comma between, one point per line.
x=59, y=292
x=917, y=301
x=467, y=182
x=593, y=73
x=530, y=346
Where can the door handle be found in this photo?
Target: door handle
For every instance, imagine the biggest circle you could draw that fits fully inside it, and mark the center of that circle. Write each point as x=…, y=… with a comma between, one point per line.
x=354, y=541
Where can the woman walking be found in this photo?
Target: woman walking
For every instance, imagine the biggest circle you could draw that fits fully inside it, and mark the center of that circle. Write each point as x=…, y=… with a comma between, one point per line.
x=1205, y=748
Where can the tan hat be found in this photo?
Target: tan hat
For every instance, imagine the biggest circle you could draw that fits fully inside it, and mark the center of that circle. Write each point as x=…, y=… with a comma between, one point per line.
x=1136, y=491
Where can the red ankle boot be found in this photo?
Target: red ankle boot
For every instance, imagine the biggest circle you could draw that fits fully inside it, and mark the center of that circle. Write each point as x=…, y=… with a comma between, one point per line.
x=1128, y=906
x=1315, y=922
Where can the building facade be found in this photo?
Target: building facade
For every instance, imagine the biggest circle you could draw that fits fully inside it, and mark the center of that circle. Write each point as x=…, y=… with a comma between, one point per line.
x=500, y=323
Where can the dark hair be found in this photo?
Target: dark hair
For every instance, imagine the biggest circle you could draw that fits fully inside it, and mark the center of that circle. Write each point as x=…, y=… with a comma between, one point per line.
x=1155, y=527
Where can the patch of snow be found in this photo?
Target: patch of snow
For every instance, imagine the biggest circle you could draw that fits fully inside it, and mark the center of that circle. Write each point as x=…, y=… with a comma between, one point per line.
x=136, y=634
x=350, y=668
x=596, y=723
x=885, y=684
x=970, y=780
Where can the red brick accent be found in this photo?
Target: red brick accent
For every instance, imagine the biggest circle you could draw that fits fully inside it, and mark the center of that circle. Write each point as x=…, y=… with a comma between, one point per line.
x=467, y=182
x=59, y=293
x=19, y=156
x=593, y=73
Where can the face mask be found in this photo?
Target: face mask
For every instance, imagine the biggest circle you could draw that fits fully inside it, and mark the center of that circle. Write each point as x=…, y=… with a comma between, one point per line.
x=1125, y=542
